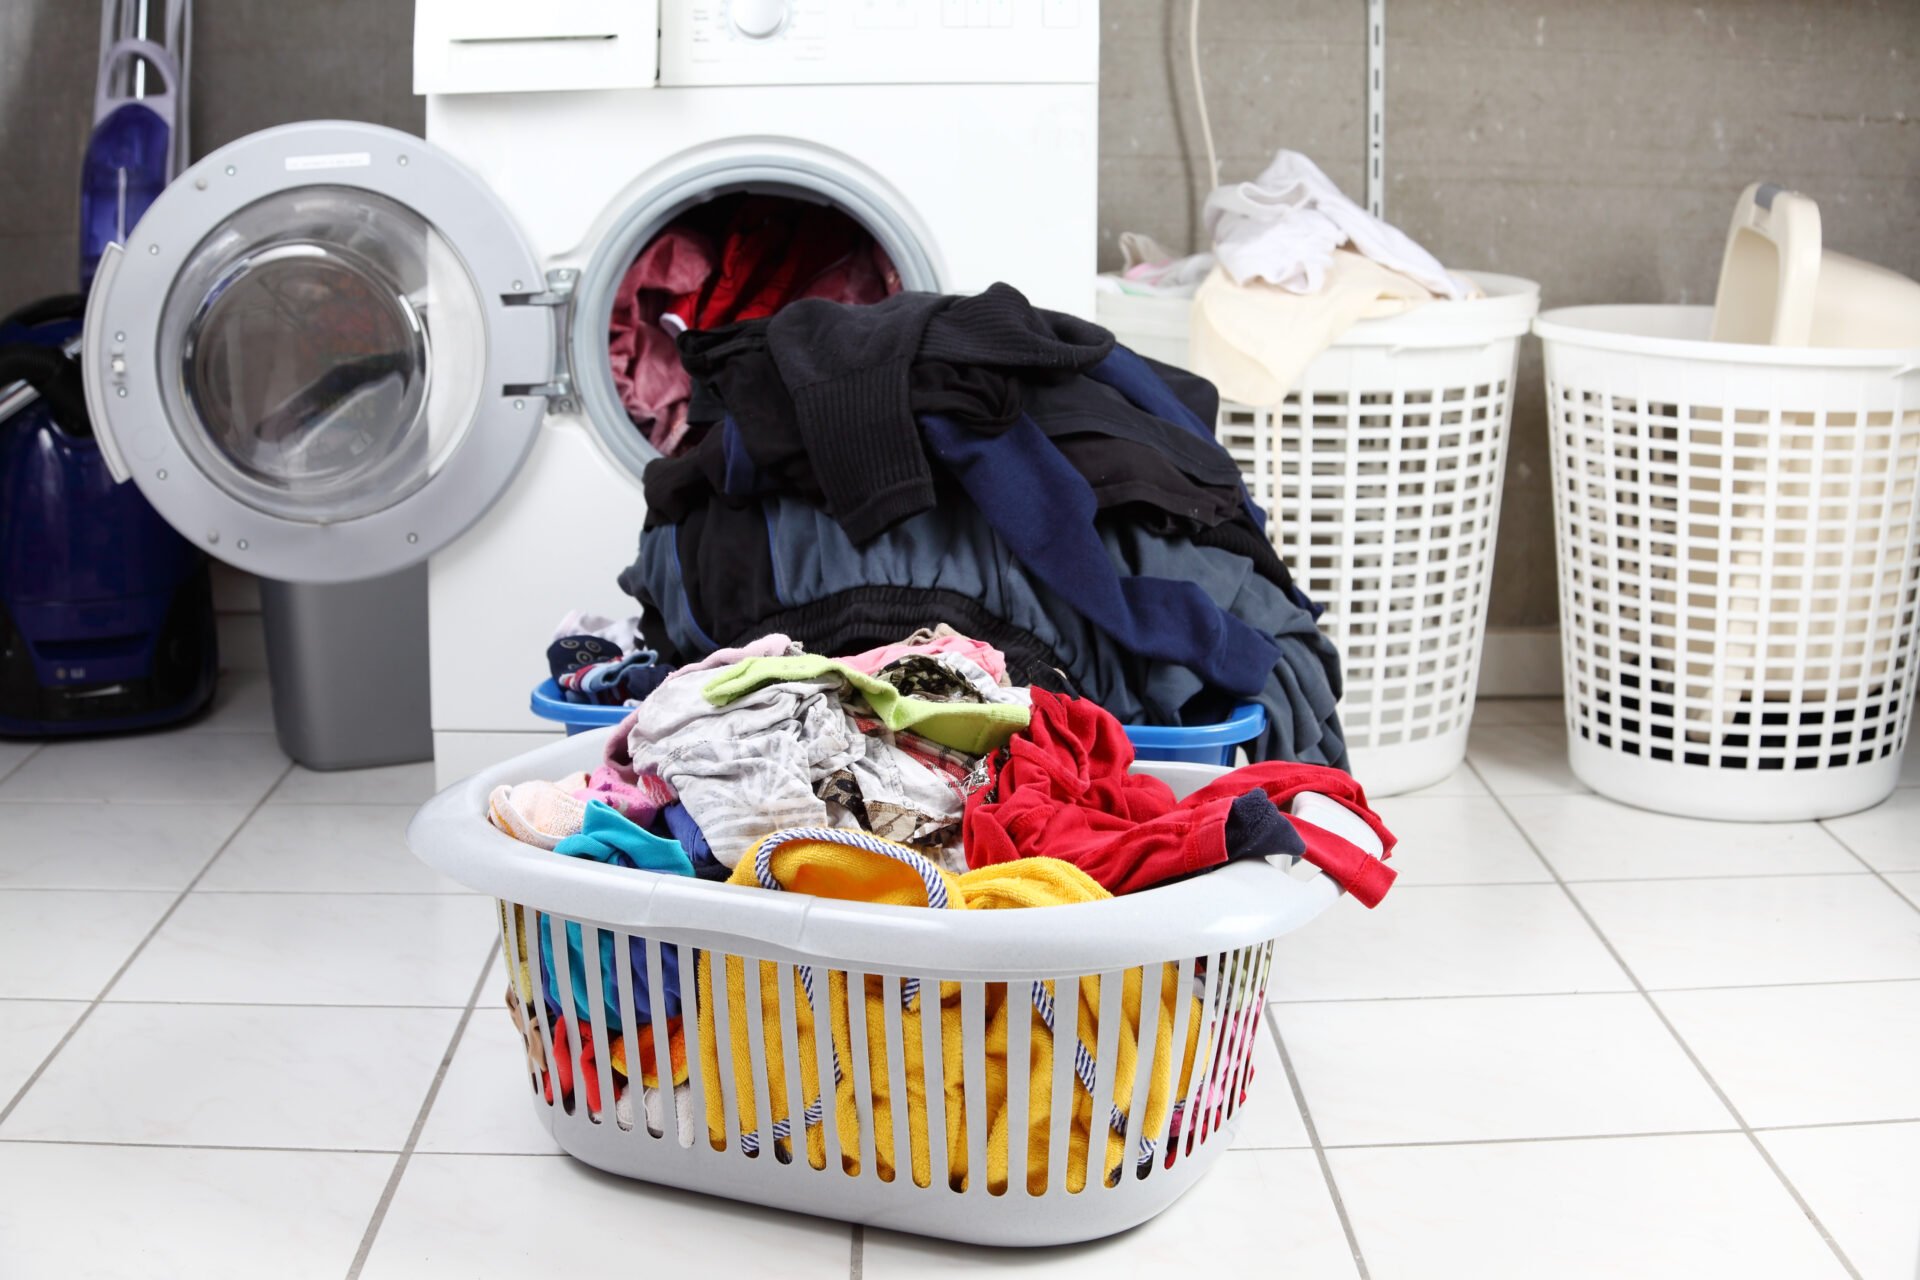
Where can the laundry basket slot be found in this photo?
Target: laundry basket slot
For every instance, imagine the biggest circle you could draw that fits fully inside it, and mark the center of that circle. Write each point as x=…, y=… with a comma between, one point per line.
x=1110, y=1105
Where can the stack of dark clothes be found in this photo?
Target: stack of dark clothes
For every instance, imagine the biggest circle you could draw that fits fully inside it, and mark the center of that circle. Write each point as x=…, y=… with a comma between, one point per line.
x=856, y=472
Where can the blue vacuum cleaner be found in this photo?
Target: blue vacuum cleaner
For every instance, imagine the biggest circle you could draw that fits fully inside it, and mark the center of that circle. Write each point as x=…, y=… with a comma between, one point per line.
x=106, y=614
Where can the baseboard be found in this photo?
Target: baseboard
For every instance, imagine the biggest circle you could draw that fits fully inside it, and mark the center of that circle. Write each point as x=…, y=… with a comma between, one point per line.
x=1521, y=662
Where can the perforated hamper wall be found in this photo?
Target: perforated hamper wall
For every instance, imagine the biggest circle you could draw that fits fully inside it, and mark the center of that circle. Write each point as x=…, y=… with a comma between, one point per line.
x=1739, y=551
x=1383, y=474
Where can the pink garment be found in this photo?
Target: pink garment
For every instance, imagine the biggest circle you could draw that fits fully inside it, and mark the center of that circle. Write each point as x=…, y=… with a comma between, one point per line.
x=944, y=640
x=639, y=796
x=773, y=646
x=646, y=366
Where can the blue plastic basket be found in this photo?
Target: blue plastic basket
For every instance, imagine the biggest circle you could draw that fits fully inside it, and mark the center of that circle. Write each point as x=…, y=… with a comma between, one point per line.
x=1195, y=743
x=1200, y=743
x=578, y=717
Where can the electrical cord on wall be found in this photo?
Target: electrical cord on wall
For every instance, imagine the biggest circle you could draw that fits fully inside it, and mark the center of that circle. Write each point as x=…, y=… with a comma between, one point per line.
x=1200, y=94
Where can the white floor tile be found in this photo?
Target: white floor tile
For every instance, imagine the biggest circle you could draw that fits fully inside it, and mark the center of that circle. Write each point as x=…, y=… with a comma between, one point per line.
x=1461, y=782
x=1519, y=711
x=1863, y=1182
x=240, y=1076
x=1522, y=759
x=117, y=1213
x=1910, y=768
x=13, y=754
x=1908, y=883
x=1809, y=1055
x=1703, y=1205
x=485, y=1103
x=165, y=768
x=1887, y=835
x=242, y=703
x=1712, y=933
x=33, y=1027
x=316, y=948
x=525, y=1216
x=1270, y=1117
x=61, y=945
x=1457, y=840
x=1465, y=940
x=1392, y=1071
x=331, y=848
x=1588, y=838
x=393, y=784
x=111, y=846
x=1256, y=1213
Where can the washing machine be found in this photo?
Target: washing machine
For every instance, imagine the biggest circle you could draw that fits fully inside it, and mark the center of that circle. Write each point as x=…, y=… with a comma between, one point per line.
x=332, y=351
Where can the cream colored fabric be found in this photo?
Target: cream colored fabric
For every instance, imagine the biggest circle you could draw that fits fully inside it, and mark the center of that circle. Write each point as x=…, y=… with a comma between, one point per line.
x=1254, y=341
x=539, y=813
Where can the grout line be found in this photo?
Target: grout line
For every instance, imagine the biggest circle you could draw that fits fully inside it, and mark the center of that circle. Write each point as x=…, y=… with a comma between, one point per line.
x=1591, y=991
x=139, y=947
x=1833, y=1124
x=1876, y=872
x=1680, y=1040
x=357, y=893
x=278, y=1004
x=1523, y=884
x=1729, y=1131
x=259, y=893
x=1761, y=875
x=32, y=751
x=857, y=1254
x=1319, y=1152
x=420, y=1120
x=198, y=1146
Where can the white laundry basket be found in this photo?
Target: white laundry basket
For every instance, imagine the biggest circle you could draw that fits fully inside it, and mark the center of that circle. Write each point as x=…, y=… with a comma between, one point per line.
x=1381, y=473
x=1212, y=936
x=1739, y=551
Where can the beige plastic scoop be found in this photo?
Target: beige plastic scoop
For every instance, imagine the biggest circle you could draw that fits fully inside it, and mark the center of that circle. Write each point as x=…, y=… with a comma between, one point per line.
x=1778, y=288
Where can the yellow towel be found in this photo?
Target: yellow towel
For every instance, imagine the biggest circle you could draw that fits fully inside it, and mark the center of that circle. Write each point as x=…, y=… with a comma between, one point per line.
x=853, y=865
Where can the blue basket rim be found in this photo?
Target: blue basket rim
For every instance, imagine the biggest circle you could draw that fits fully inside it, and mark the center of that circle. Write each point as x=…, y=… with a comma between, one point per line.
x=547, y=703
x=1248, y=721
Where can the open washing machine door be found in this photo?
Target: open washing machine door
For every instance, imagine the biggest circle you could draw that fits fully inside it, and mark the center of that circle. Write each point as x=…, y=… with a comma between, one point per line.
x=324, y=353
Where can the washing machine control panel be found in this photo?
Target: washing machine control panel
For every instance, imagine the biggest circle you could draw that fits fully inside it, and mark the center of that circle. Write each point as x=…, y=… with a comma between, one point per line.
x=758, y=19
x=742, y=42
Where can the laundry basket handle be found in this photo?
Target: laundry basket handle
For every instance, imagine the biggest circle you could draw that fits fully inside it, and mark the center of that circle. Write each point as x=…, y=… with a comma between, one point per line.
x=1770, y=270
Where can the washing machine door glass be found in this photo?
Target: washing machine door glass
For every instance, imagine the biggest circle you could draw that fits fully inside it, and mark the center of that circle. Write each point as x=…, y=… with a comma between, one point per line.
x=322, y=353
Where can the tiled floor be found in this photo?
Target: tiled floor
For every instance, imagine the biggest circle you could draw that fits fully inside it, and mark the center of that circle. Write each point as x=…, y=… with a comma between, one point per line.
x=248, y=1035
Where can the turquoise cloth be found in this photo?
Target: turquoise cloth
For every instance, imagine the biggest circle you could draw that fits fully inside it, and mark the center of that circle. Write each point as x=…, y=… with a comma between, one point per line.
x=609, y=836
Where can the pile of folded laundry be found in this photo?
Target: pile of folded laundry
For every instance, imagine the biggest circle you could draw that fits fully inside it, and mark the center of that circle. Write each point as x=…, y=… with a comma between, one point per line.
x=919, y=773
x=853, y=473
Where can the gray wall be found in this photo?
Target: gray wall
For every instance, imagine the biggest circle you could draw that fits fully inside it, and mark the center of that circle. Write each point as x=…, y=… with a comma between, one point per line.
x=1595, y=147
x=257, y=63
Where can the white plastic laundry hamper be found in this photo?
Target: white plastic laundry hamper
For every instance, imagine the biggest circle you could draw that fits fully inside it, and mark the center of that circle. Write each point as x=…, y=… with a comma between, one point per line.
x=1739, y=552
x=1381, y=473
x=1212, y=936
